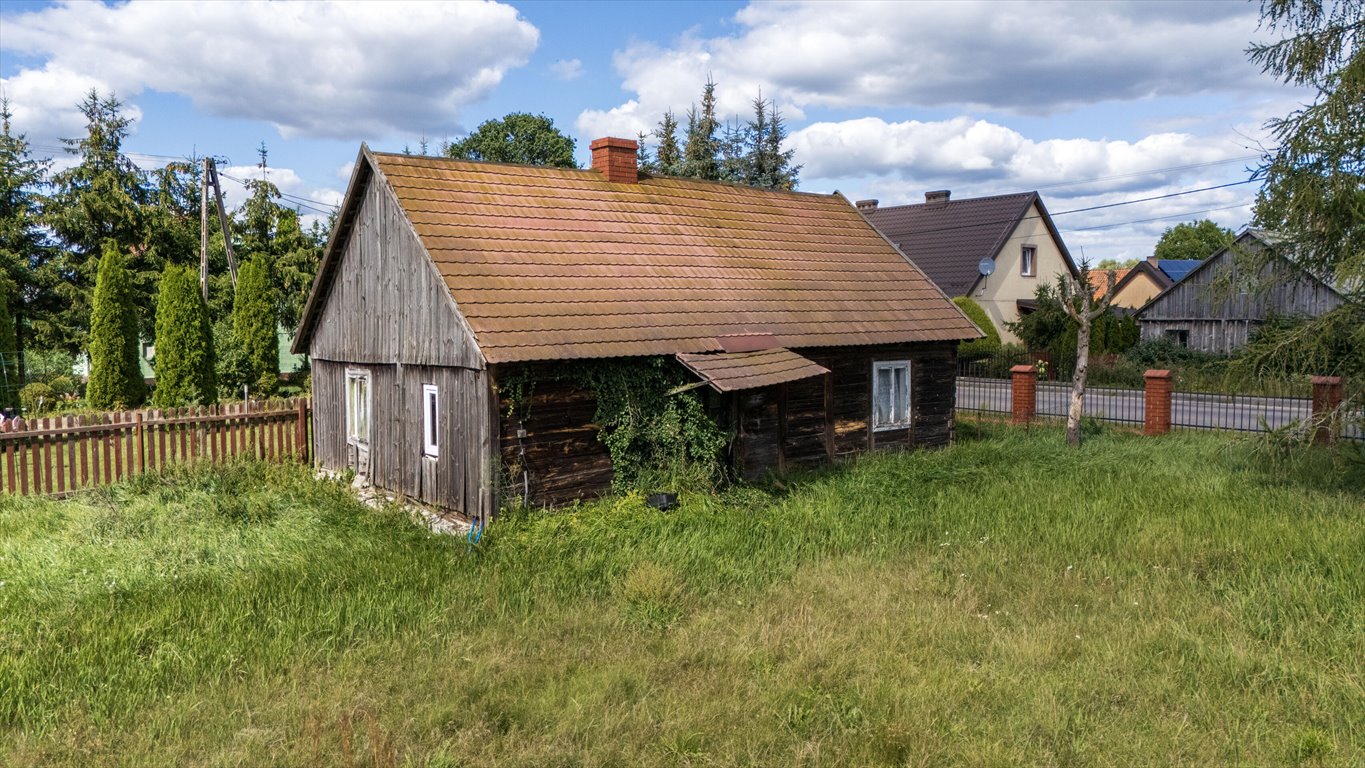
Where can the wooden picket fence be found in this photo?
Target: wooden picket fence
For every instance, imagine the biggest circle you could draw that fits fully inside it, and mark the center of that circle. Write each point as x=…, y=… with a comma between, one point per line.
x=63, y=454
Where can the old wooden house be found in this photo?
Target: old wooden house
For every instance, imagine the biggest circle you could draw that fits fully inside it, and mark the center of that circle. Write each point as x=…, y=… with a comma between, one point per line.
x=1218, y=304
x=445, y=278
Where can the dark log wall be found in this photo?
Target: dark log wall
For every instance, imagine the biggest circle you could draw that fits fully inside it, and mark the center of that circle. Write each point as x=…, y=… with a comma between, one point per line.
x=563, y=459
x=387, y=311
x=776, y=427
x=786, y=426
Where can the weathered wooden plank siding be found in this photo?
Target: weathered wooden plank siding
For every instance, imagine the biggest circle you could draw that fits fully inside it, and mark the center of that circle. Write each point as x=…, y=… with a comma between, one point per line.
x=461, y=478
x=1219, y=308
x=386, y=302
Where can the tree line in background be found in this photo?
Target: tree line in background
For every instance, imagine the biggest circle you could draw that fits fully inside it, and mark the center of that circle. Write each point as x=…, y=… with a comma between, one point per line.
x=101, y=257
x=750, y=152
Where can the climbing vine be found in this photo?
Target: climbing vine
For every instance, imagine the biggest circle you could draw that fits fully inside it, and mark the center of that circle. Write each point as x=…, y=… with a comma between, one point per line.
x=653, y=432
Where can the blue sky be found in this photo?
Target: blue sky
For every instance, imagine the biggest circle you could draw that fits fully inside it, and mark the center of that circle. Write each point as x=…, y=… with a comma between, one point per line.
x=1091, y=103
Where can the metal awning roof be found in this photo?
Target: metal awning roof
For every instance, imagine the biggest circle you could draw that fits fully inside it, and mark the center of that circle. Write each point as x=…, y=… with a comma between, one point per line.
x=733, y=371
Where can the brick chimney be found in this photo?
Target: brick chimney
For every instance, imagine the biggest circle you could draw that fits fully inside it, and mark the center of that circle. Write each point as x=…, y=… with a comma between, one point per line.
x=615, y=159
x=937, y=197
x=866, y=205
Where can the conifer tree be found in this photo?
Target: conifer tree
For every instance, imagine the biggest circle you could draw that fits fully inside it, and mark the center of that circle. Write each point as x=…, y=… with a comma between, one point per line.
x=27, y=273
x=254, y=325
x=10, y=379
x=668, y=157
x=184, y=342
x=115, y=380
x=700, y=153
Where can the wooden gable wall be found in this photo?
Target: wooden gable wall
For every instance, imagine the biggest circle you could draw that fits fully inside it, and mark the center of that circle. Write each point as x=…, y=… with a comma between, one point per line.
x=1219, y=308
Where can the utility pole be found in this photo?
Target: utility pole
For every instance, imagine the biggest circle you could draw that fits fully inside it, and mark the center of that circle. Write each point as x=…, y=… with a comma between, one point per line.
x=212, y=173
x=204, y=232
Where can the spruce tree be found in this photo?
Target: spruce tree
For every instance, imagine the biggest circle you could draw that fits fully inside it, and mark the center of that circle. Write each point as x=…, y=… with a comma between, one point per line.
x=184, y=342
x=101, y=198
x=668, y=157
x=253, y=323
x=10, y=380
x=115, y=380
x=700, y=154
x=26, y=269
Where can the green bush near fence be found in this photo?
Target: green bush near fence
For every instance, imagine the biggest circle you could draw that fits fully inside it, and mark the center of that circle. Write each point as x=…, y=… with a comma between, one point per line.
x=1006, y=601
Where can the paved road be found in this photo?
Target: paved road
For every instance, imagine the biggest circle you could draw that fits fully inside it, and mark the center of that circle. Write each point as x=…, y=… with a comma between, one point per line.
x=1187, y=410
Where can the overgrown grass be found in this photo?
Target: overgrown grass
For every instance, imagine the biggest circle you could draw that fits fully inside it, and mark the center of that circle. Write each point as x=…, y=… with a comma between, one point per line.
x=1172, y=601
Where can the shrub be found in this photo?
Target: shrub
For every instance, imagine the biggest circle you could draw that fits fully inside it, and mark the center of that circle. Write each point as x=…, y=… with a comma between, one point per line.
x=63, y=386
x=184, y=342
x=254, y=325
x=983, y=347
x=37, y=398
x=115, y=378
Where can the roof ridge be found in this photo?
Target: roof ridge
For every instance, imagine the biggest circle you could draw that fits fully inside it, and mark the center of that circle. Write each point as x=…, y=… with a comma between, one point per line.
x=950, y=202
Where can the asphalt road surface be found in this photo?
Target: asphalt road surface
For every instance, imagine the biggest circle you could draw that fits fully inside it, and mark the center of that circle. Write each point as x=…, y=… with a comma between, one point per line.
x=1242, y=412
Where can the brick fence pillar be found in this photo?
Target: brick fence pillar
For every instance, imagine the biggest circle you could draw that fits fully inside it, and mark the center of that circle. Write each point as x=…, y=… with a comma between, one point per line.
x=1157, y=406
x=1023, y=393
x=1326, y=399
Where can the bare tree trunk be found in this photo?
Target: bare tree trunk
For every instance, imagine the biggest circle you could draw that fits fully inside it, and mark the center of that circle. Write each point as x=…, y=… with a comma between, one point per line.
x=1073, y=414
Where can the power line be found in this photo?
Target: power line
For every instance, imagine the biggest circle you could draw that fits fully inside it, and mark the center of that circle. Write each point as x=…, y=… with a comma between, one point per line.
x=1158, y=218
x=1156, y=197
x=1149, y=172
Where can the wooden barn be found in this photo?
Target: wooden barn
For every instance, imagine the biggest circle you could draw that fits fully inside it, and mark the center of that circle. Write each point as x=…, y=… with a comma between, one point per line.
x=1217, y=305
x=816, y=337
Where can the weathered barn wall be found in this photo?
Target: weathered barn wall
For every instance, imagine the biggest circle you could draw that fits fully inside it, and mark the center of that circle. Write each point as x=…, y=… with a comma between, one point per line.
x=461, y=478
x=388, y=312
x=1219, y=307
x=386, y=302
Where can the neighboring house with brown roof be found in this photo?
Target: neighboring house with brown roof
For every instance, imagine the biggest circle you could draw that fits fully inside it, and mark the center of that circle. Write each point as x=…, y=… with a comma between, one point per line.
x=446, y=280
x=1133, y=287
x=949, y=239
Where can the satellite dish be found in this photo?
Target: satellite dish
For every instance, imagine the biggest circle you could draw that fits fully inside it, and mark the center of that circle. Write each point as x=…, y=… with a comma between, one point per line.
x=986, y=266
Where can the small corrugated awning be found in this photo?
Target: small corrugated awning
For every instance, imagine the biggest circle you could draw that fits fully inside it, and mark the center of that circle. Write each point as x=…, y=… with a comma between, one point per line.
x=733, y=371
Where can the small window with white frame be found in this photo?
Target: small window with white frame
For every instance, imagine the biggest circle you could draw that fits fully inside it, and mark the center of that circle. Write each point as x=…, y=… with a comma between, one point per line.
x=431, y=420
x=891, y=395
x=1028, y=261
x=358, y=407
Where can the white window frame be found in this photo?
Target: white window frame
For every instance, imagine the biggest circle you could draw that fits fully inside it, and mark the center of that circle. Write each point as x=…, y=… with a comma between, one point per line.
x=907, y=407
x=1028, y=260
x=431, y=409
x=353, y=432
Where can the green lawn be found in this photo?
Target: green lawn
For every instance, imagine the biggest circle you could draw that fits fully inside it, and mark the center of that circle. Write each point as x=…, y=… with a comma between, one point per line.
x=1170, y=601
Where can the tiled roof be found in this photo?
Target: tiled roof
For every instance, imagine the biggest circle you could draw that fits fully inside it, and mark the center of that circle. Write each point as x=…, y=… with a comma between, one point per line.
x=731, y=371
x=553, y=263
x=1099, y=280
x=948, y=240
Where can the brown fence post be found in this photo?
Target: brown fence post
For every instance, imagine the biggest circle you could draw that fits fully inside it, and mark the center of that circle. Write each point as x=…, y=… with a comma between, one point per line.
x=301, y=431
x=1326, y=400
x=141, y=447
x=1157, y=406
x=1023, y=393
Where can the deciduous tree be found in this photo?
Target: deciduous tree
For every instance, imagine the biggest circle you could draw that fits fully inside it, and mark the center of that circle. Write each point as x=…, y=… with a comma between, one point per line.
x=519, y=137
x=1077, y=300
x=1192, y=240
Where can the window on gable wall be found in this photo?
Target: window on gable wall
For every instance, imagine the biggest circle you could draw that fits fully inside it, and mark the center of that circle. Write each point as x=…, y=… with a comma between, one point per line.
x=1028, y=261
x=358, y=407
x=891, y=395
x=431, y=420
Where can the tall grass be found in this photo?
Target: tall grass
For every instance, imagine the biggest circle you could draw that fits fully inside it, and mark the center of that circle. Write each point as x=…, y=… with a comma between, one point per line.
x=1004, y=602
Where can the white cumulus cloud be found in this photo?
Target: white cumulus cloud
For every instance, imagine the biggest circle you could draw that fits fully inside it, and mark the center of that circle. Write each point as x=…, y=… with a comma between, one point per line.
x=567, y=69
x=337, y=70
